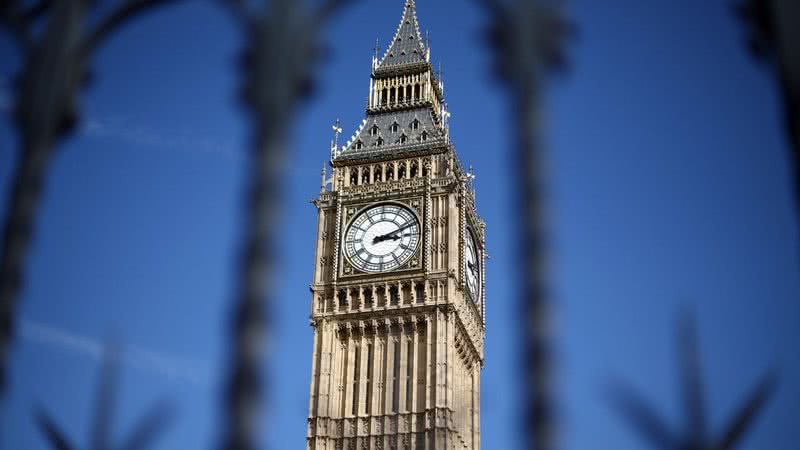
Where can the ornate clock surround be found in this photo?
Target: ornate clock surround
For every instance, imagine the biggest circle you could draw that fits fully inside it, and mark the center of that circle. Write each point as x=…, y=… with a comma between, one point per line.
x=351, y=210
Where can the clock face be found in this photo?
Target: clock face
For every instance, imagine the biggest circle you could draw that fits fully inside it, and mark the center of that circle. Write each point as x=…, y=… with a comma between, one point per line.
x=472, y=268
x=382, y=238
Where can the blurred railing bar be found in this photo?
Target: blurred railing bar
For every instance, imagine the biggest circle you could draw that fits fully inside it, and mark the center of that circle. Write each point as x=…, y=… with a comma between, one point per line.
x=774, y=38
x=695, y=435
x=282, y=49
x=55, y=61
x=527, y=38
x=146, y=430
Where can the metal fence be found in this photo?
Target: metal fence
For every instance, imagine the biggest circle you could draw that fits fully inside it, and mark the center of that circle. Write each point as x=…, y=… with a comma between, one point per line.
x=529, y=40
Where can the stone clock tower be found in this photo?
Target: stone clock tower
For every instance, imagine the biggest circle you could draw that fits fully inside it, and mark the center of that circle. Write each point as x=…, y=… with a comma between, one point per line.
x=398, y=304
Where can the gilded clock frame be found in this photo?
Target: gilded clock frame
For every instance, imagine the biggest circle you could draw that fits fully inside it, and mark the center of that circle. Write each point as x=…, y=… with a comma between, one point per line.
x=352, y=210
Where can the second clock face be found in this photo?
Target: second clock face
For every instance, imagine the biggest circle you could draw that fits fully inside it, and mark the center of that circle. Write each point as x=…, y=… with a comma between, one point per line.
x=472, y=269
x=382, y=238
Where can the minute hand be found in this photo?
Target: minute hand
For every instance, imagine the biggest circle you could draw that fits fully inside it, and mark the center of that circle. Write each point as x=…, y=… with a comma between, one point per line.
x=388, y=236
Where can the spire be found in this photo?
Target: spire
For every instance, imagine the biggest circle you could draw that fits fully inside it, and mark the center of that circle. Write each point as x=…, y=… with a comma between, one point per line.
x=375, y=56
x=403, y=114
x=323, y=185
x=407, y=46
x=337, y=130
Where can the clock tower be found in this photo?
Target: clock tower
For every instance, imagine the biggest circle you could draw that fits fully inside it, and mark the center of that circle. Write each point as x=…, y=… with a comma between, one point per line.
x=398, y=303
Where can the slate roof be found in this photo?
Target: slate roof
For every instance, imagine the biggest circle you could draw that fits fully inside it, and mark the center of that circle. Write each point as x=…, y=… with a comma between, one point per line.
x=393, y=132
x=407, y=46
x=377, y=136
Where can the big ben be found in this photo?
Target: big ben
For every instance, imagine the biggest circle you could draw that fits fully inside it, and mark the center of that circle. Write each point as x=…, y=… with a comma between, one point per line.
x=398, y=294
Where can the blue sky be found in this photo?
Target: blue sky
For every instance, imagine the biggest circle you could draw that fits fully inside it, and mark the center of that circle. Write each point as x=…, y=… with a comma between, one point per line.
x=669, y=189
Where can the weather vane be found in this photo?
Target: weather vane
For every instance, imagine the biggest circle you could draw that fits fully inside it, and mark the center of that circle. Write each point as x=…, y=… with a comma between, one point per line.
x=471, y=175
x=337, y=130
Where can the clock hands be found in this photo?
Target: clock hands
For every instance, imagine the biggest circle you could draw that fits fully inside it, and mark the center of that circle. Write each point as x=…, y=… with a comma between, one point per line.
x=393, y=235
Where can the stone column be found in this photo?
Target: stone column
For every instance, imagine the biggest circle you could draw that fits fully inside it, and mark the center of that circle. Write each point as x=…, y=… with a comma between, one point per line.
x=400, y=298
x=377, y=358
x=350, y=371
x=361, y=407
x=414, y=408
x=390, y=344
x=402, y=407
x=325, y=371
x=451, y=357
x=429, y=384
x=476, y=406
x=339, y=356
x=333, y=384
x=312, y=399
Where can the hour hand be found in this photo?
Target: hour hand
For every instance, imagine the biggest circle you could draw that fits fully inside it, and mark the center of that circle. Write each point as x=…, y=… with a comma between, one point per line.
x=393, y=235
x=384, y=237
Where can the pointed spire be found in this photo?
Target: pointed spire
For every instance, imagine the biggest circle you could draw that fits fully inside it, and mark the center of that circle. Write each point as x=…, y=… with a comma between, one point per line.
x=407, y=46
x=427, y=45
x=337, y=130
x=411, y=117
x=323, y=186
x=375, y=55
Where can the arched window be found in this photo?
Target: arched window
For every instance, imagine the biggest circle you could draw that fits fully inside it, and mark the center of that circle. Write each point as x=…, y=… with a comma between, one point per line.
x=424, y=135
x=370, y=374
x=396, y=377
x=384, y=96
x=353, y=176
x=395, y=127
x=415, y=124
x=417, y=91
x=379, y=142
x=403, y=139
x=359, y=144
x=392, y=95
x=409, y=373
x=377, y=173
x=365, y=175
x=374, y=130
x=408, y=92
x=390, y=172
x=356, y=375
x=414, y=170
x=401, y=172
x=368, y=300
